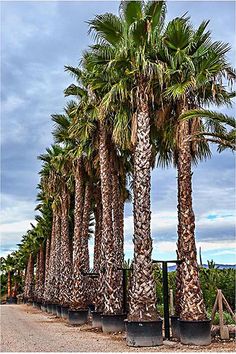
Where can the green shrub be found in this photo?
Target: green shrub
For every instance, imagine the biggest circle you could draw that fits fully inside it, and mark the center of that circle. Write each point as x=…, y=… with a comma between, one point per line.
x=211, y=279
x=227, y=318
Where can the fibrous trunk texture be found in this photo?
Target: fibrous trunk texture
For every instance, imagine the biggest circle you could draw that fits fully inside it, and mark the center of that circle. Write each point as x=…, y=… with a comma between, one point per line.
x=192, y=304
x=66, y=259
x=57, y=262
x=98, y=262
x=15, y=288
x=41, y=273
x=117, y=227
x=142, y=295
x=78, y=295
x=108, y=278
x=85, y=228
x=87, y=283
x=30, y=279
x=50, y=289
x=9, y=283
x=178, y=279
x=36, y=287
x=47, y=262
x=98, y=230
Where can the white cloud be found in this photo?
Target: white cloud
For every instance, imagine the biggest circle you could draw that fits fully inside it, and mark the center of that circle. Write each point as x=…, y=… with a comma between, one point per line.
x=167, y=221
x=15, y=221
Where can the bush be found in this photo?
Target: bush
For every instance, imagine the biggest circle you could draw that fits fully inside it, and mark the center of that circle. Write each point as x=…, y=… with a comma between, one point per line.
x=227, y=318
x=211, y=280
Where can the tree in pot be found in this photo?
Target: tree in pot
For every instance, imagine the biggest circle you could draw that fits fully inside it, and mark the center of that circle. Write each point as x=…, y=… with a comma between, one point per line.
x=195, y=53
x=131, y=39
x=110, y=301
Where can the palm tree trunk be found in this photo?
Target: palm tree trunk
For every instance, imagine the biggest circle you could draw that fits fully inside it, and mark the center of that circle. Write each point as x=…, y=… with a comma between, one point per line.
x=47, y=263
x=9, y=284
x=57, y=261
x=143, y=294
x=98, y=230
x=117, y=231
x=50, y=290
x=78, y=295
x=30, y=290
x=192, y=303
x=14, y=291
x=36, y=287
x=41, y=272
x=66, y=259
x=178, y=279
x=98, y=262
x=108, y=280
x=85, y=227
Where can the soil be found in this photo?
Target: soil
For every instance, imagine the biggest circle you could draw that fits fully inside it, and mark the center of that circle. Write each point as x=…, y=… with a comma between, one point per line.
x=27, y=329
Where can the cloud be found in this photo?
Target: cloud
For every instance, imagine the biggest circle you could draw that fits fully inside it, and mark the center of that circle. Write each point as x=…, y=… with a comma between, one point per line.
x=16, y=216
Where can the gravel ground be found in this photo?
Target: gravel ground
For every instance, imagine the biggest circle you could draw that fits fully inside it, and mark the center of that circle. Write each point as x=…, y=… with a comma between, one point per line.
x=27, y=329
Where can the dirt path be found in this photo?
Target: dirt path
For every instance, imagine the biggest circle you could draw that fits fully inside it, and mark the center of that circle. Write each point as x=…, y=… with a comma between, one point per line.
x=27, y=329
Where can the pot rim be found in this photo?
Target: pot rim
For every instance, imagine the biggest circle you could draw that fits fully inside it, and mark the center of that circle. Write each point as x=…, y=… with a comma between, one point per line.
x=79, y=310
x=155, y=321
x=194, y=321
x=110, y=315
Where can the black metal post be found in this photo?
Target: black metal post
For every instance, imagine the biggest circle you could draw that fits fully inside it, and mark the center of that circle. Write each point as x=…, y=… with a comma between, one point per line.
x=166, y=299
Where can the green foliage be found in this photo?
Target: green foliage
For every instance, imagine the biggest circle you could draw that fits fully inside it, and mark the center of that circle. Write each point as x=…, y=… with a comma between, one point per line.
x=3, y=284
x=227, y=318
x=211, y=279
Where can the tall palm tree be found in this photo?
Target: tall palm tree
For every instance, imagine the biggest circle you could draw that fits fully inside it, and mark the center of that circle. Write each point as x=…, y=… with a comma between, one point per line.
x=8, y=266
x=128, y=42
x=193, y=65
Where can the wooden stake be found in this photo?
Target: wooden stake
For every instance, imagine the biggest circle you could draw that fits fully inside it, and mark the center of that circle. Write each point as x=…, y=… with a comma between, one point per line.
x=228, y=308
x=214, y=308
x=224, y=332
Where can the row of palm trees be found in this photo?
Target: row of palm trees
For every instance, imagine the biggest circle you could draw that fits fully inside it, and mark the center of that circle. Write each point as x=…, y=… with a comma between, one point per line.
x=139, y=102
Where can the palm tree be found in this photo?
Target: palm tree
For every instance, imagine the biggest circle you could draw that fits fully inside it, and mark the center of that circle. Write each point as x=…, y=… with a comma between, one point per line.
x=128, y=42
x=85, y=131
x=194, y=63
x=55, y=173
x=8, y=266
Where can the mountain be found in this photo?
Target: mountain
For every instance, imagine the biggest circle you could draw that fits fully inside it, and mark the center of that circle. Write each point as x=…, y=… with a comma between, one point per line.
x=219, y=266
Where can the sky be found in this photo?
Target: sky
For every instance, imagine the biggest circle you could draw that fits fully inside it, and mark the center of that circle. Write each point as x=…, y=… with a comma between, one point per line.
x=37, y=39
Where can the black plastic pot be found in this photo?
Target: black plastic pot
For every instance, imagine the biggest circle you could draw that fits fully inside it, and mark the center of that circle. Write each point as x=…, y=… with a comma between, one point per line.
x=143, y=334
x=54, y=309
x=77, y=317
x=49, y=308
x=113, y=323
x=175, y=327
x=58, y=307
x=96, y=319
x=11, y=300
x=44, y=307
x=64, y=312
x=195, y=332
